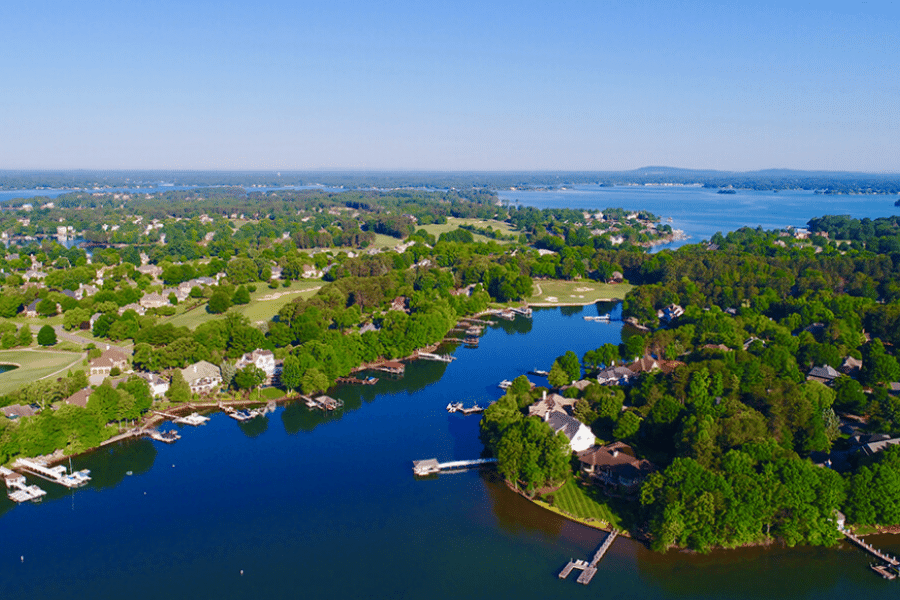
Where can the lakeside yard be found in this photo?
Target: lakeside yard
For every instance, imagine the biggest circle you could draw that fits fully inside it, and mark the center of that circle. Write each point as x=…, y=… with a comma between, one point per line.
x=34, y=365
x=557, y=292
x=589, y=506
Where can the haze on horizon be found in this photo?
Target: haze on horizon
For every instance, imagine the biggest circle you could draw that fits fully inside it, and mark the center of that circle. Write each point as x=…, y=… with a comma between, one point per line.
x=450, y=86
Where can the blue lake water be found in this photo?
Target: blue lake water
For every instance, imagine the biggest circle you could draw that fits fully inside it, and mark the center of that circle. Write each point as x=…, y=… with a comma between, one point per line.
x=701, y=212
x=325, y=506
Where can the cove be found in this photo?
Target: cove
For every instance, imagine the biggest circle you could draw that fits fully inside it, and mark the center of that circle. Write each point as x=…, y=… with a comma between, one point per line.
x=325, y=506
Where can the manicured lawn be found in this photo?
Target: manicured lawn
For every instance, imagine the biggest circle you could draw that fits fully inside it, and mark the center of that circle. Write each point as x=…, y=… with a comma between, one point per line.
x=585, y=291
x=34, y=365
x=575, y=500
x=264, y=304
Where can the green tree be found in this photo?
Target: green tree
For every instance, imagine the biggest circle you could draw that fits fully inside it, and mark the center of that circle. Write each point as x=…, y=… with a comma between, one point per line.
x=26, y=338
x=291, y=374
x=249, y=377
x=179, y=391
x=219, y=302
x=46, y=336
x=241, y=296
x=314, y=380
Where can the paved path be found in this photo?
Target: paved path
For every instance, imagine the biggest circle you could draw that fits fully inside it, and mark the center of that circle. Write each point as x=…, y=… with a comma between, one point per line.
x=62, y=334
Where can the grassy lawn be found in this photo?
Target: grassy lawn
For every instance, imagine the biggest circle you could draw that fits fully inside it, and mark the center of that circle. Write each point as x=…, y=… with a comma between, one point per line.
x=34, y=365
x=264, y=304
x=454, y=223
x=585, y=291
x=589, y=505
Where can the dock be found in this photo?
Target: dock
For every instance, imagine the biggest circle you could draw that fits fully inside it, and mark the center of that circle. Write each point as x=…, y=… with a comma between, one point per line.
x=889, y=571
x=17, y=489
x=524, y=311
x=167, y=437
x=458, y=407
x=445, y=358
x=240, y=415
x=589, y=569
x=601, y=318
x=431, y=466
x=192, y=419
x=390, y=367
x=57, y=474
x=471, y=341
x=357, y=380
x=323, y=402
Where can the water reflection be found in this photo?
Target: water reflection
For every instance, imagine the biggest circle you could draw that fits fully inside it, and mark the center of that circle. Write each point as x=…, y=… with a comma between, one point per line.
x=111, y=464
x=254, y=427
x=515, y=514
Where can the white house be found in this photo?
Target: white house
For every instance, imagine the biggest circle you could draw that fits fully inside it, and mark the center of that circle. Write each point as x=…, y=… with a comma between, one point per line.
x=579, y=435
x=158, y=385
x=263, y=359
x=202, y=377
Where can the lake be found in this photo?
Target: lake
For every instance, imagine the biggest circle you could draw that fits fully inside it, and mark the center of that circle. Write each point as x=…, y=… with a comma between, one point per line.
x=326, y=506
x=701, y=212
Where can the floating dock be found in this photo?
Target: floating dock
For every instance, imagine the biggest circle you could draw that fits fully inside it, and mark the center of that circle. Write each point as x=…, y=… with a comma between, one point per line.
x=458, y=407
x=192, y=419
x=57, y=474
x=168, y=437
x=523, y=311
x=241, y=415
x=589, y=569
x=391, y=368
x=430, y=466
x=601, y=318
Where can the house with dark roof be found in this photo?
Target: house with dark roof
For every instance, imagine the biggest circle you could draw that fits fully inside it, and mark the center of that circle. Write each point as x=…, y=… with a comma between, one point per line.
x=551, y=403
x=615, y=376
x=615, y=465
x=825, y=374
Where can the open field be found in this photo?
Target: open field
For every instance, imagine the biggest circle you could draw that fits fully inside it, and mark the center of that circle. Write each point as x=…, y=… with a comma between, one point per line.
x=264, y=304
x=34, y=365
x=559, y=292
x=454, y=223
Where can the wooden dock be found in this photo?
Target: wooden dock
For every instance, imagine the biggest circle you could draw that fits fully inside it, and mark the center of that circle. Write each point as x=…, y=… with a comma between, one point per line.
x=430, y=466
x=894, y=564
x=445, y=358
x=57, y=474
x=390, y=367
x=168, y=437
x=589, y=569
x=357, y=380
x=458, y=407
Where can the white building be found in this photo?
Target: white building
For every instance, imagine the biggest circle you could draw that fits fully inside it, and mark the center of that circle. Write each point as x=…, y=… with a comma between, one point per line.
x=579, y=435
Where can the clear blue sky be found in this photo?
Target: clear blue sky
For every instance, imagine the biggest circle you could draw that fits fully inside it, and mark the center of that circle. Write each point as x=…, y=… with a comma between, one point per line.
x=485, y=85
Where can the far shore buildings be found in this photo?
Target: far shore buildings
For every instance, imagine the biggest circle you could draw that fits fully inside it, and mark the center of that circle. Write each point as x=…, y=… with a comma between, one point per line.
x=202, y=377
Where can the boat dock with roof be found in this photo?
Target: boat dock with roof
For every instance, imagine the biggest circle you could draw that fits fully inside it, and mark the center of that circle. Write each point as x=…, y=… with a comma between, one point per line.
x=17, y=489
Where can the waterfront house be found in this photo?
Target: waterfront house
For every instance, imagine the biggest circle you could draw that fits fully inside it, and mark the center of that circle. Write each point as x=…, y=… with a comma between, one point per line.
x=262, y=359
x=615, y=376
x=579, y=435
x=202, y=377
x=670, y=313
x=551, y=403
x=615, y=465
x=159, y=385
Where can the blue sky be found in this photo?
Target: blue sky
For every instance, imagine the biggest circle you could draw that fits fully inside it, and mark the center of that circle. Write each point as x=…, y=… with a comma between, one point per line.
x=340, y=84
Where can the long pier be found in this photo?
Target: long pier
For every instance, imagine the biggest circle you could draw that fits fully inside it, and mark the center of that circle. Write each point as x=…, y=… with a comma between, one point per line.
x=57, y=474
x=430, y=466
x=892, y=561
x=589, y=569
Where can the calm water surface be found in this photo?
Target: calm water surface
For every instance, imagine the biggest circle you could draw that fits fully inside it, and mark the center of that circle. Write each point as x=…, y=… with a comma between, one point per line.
x=317, y=506
x=700, y=212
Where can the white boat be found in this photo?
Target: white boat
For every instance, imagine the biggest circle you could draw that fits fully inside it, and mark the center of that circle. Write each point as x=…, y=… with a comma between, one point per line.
x=505, y=384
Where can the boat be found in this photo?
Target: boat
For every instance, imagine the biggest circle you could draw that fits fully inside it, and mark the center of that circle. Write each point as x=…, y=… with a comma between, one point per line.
x=539, y=372
x=505, y=384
